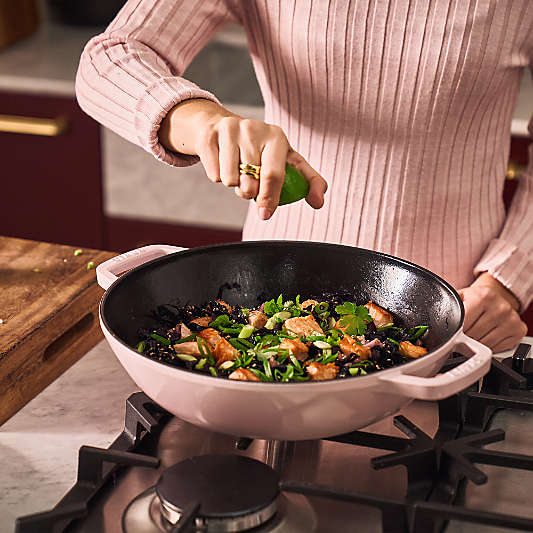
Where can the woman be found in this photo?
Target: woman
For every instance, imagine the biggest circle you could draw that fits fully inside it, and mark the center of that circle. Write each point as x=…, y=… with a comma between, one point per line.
x=403, y=105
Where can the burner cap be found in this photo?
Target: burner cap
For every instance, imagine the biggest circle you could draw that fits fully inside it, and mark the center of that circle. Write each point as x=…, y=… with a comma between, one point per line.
x=226, y=486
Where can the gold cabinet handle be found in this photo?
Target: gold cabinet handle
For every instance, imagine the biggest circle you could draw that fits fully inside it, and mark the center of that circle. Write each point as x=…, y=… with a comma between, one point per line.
x=513, y=170
x=49, y=127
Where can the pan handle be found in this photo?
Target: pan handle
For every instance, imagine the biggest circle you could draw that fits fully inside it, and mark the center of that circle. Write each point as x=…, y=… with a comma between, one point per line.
x=449, y=383
x=109, y=271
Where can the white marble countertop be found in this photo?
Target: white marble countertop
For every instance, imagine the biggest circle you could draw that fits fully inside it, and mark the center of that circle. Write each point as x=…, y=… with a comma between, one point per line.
x=39, y=445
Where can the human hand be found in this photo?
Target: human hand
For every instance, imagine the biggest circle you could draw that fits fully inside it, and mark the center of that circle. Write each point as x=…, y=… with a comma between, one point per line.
x=491, y=315
x=222, y=140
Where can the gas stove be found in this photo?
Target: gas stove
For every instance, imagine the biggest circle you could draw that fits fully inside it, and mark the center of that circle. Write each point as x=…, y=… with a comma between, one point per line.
x=462, y=464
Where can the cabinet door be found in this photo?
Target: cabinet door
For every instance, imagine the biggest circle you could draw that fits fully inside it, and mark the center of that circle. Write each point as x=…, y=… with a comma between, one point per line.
x=51, y=185
x=518, y=162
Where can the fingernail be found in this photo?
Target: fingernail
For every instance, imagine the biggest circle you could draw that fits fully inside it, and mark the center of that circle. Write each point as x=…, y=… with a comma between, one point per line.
x=264, y=213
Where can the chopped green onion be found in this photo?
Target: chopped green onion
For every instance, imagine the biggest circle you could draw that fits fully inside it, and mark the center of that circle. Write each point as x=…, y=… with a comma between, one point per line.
x=323, y=345
x=246, y=343
x=390, y=325
x=268, y=370
x=259, y=374
x=312, y=338
x=357, y=371
x=321, y=307
x=205, y=350
x=329, y=358
x=162, y=340
x=246, y=332
x=420, y=331
x=238, y=345
x=282, y=316
x=186, y=357
x=90, y=265
x=393, y=341
x=77, y=252
x=266, y=354
x=140, y=346
x=271, y=323
x=231, y=331
x=296, y=363
x=201, y=363
x=213, y=371
x=226, y=365
x=288, y=374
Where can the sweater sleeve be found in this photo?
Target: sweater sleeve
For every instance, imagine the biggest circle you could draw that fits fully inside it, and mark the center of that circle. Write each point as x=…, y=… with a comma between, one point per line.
x=129, y=76
x=509, y=258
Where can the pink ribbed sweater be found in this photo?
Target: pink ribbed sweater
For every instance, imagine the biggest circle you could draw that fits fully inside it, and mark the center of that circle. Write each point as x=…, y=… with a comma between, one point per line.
x=404, y=106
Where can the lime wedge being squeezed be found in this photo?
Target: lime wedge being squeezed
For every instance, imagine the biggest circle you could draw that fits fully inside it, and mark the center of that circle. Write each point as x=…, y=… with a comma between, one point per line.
x=295, y=187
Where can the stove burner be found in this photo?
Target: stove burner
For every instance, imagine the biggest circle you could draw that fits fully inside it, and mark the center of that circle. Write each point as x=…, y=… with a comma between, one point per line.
x=234, y=493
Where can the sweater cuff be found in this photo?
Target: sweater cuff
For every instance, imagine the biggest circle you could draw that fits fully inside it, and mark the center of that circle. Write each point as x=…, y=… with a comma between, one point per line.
x=511, y=267
x=152, y=108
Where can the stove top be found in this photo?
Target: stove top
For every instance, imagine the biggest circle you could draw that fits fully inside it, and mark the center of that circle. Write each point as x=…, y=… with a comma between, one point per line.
x=438, y=465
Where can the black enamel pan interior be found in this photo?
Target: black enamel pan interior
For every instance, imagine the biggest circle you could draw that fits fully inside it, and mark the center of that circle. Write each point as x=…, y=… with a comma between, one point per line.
x=248, y=273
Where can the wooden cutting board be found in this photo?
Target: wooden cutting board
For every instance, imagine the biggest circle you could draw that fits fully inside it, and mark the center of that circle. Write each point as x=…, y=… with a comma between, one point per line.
x=48, y=313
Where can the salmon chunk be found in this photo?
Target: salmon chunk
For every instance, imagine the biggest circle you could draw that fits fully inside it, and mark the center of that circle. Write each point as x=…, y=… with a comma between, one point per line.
x=185, y=331
x=320, y=372
x=349, y=345
x=303, y=326
x=411, y=350
x=224, y=351
x=257, y=319
x=308, y=303
x=226, y=305
x=203, y=321
x=211, y=336
x=380, y=317
x=243, y=374
x=189, y=348
x=296, y=347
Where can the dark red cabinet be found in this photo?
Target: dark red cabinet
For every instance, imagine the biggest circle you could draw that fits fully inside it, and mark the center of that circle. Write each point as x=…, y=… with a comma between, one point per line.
x=51, y=185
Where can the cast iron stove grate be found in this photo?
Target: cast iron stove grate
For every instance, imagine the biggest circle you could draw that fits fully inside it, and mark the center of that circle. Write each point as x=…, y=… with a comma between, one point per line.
x=437, y=468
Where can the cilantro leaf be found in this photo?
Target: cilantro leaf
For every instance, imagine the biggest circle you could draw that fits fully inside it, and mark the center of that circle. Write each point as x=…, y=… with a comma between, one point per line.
x=220, y=321
x=354, y=318
x=270, y=308
x=348, y=308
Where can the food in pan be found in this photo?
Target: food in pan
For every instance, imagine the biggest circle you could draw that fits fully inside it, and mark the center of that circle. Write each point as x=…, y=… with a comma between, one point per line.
x=282, y=341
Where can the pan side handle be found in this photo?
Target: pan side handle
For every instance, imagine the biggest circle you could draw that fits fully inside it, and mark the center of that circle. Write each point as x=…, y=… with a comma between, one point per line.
x=109, y=271
x=449, y=383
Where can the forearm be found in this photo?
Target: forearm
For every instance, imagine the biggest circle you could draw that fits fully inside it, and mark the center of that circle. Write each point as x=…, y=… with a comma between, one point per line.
x=181, y=128
x=129, y=77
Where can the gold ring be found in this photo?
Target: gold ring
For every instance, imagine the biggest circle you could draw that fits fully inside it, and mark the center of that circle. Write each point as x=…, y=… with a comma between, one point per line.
x=250, y=170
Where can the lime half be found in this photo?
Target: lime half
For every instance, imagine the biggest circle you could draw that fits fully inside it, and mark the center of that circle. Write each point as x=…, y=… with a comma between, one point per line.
x=295, y=186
